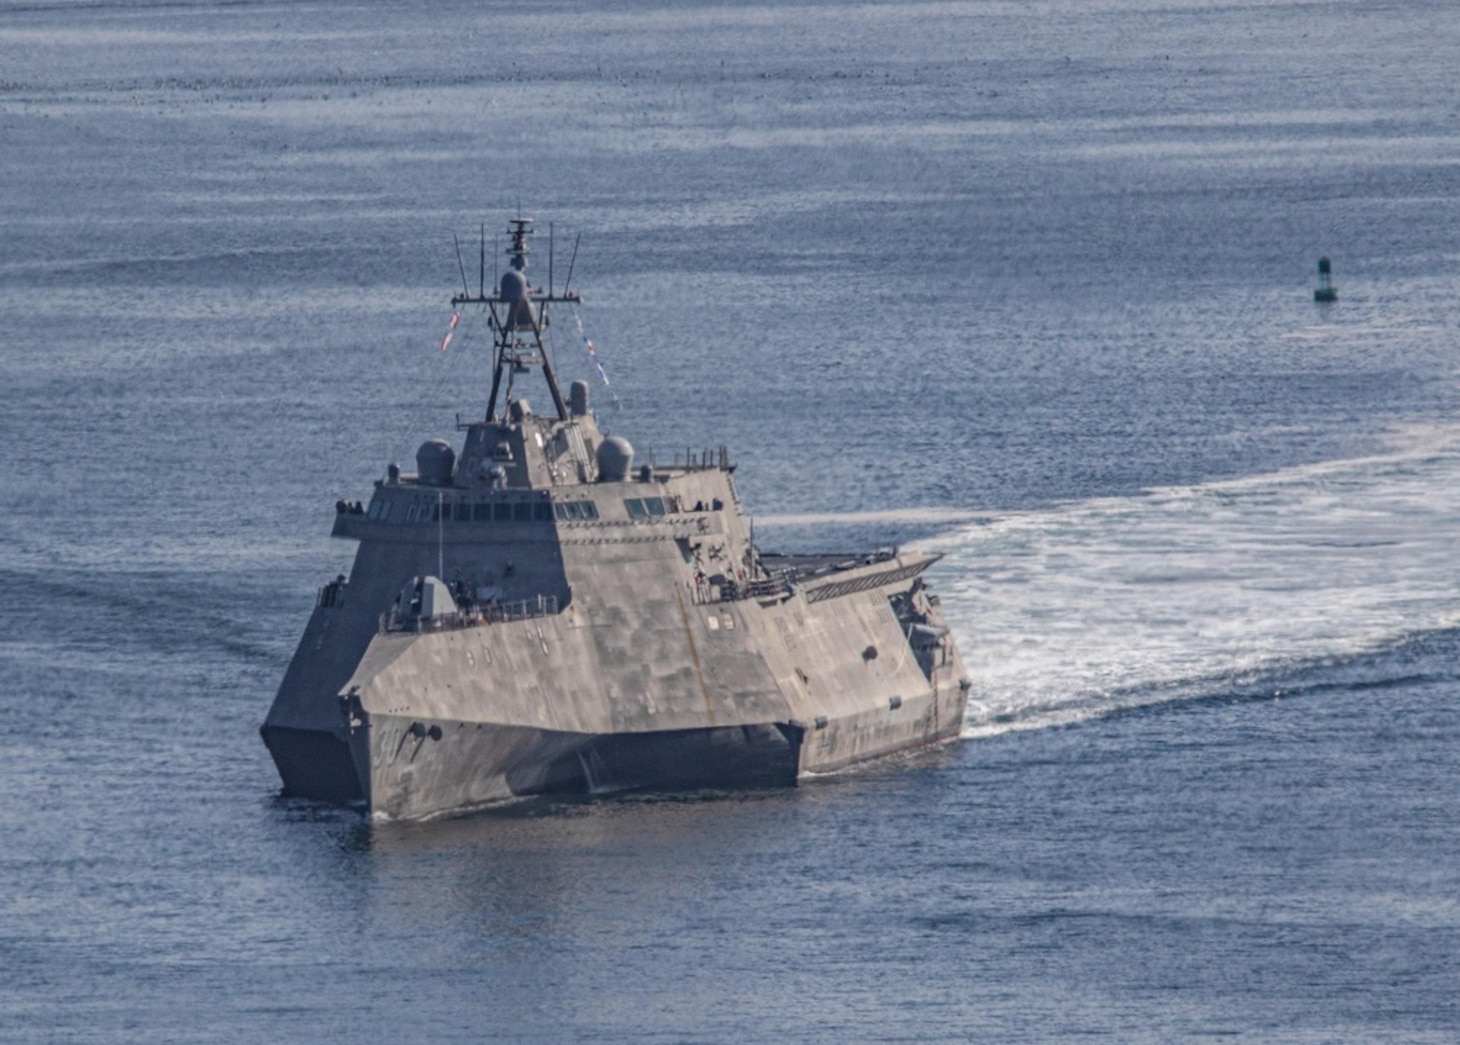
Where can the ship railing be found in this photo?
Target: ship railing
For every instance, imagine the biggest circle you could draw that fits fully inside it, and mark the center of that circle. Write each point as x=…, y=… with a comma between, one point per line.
x=776, y=586
x=473, y=616
x=767, y=588
x=691, y=460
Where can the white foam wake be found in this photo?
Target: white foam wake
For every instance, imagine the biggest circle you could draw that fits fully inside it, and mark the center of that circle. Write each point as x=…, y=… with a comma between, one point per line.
x=1093, y=606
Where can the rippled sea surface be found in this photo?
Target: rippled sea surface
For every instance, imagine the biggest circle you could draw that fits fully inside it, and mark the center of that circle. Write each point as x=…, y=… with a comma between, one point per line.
x=1030, y=284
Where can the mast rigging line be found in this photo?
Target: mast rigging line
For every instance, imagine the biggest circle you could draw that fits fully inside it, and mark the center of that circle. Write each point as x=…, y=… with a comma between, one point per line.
x=433, y=394
x=592, y=351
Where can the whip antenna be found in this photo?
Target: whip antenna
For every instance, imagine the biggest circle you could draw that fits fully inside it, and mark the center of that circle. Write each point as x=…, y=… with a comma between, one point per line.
x=462, y=268
x=571, y=262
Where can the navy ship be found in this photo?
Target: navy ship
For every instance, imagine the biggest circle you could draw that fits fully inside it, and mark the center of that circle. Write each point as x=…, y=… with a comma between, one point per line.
x=538, y=613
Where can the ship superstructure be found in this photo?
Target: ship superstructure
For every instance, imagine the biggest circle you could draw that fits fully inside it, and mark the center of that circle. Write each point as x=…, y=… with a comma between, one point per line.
x=537, y=614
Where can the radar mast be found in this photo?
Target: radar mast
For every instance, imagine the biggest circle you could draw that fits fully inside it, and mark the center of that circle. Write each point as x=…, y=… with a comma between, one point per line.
x=518, y=316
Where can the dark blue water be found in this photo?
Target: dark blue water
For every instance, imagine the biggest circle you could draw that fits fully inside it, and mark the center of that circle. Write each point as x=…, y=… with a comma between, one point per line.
x=1030, y=284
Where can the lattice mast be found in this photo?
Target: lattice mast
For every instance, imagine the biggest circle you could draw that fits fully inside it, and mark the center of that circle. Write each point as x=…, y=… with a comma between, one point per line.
x=519, y=317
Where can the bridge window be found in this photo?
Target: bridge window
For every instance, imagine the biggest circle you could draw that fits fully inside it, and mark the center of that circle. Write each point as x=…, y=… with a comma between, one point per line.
x=502, y=512
x=643, y=507
x=481, y=512
x=574, y=511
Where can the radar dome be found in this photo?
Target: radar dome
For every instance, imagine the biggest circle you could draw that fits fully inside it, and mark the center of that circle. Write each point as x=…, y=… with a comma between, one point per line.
x=514, y=285
x=615, y=459
x=435, y=461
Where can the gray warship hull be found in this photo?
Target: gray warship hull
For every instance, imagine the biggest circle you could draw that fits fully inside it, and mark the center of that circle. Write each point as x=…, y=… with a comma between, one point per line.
x=537, y=616
x=672, y=693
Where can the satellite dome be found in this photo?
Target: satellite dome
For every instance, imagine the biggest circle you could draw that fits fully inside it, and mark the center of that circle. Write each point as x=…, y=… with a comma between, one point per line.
x=615, y=458
x=435, y=461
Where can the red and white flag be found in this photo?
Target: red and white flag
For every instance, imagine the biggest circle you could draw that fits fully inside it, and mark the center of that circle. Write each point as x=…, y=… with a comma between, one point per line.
x=450, y=329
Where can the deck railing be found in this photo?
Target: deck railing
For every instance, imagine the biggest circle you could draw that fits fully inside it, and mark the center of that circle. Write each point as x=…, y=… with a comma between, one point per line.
x=475, y=617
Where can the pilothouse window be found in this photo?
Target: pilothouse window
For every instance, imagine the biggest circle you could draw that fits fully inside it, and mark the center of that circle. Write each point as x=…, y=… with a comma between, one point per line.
x=643, y=507
x=573, y=511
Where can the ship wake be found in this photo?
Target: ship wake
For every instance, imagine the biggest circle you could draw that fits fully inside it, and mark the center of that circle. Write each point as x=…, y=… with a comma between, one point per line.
x=1188, y=592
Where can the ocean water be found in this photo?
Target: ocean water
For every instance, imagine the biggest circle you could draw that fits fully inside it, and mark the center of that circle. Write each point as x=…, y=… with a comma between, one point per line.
x=1029, y=284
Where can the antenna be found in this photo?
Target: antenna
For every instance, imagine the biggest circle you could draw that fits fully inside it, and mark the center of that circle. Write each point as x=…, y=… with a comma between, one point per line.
x=571, y=262
x=519, y=314
x=464, y=291
x=482, y=287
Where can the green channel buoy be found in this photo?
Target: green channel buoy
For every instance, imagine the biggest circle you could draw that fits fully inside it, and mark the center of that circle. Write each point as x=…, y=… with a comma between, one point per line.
x=1326, y=291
